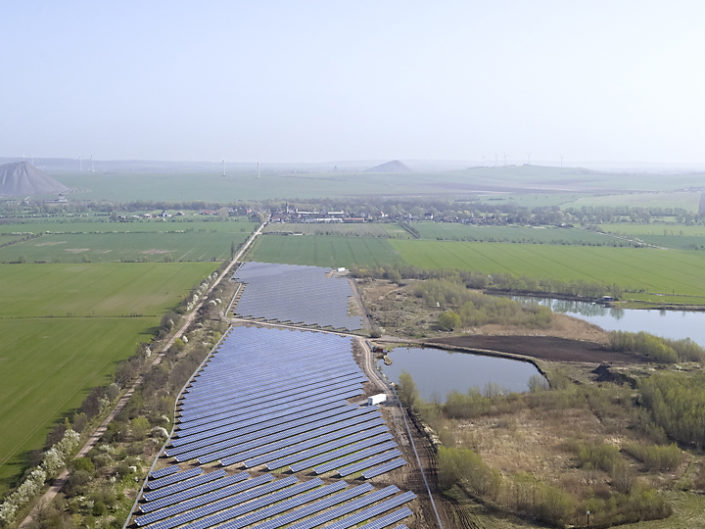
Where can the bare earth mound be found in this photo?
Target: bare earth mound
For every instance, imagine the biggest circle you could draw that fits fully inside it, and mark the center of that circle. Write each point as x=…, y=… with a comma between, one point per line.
x=22, y=179
x=395, y=166
x=541, y=347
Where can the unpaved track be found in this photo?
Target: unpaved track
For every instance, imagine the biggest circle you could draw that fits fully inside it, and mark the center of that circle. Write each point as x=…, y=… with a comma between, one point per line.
x=59, y=481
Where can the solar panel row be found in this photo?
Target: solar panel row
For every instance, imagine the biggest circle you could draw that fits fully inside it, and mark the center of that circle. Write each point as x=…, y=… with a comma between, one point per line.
x=255, y=411
x=164, y=472
x=211, y=497
x=356, y=456
x=261, y=456
x=327, y=455
x=275, y=291
x=322, y=410
x=183, y=485
x=254, y=505
x=273, y=390
x=388, y=519
x=226, y=505
x=375, y=510
x=302, y=441
x=262, y=428
x=282, y=507
x=193, y=492
x=315, y=507
x=347, y=508
x=235, y=409
x=173, y=478
x=367, y=463
x=275, y=433
x=257, y=378
x=387, y=467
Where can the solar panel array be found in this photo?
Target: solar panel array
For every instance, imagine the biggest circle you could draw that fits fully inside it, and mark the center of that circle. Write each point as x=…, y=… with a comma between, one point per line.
x=271, y=399
x=295, y=293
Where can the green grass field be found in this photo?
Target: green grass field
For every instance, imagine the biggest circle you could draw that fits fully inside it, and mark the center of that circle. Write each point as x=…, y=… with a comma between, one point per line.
x=323, y=250
x=64, y=326
x=124, y=247
x=678, y=230
x=103, y=225
x=515, y=234
x=687, y=200
x=49, y=365
x=64, y=240
x=387, y=230
x=663, y=275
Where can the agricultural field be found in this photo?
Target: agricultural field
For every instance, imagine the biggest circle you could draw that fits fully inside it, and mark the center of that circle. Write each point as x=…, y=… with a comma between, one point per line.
x=105, y=225
x=368, y=229
x=651, y=275
x=323, y=251
x=687, y=200
x=64, y=327
x=76, y=242
x=678, y=236
x=124, y=247
x=514, y=234
x=665, y=229
x=53, y=373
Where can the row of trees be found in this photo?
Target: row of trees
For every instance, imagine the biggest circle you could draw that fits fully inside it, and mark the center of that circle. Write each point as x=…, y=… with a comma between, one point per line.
x=494, y=282
x=655, y=348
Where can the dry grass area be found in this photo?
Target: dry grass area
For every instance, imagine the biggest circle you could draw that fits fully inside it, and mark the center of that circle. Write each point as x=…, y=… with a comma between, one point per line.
x=397, y=311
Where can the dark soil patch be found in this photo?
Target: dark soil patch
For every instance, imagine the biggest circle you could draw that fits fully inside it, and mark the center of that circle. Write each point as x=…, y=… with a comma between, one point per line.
x=541, y=347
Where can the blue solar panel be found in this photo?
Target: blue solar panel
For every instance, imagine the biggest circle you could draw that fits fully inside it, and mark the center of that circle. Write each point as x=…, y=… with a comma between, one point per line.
x=173, y=478
x=263, y=404
x=356, y=456
x=193, y=503
x=183, y=485
x=262, y=455
x=254, y=505
x=282, y=507
x=354, y=505
x=275, y=433
x=237, y=454
x=275, y=390
x=332, y=441
x=227, y=503
x=387, y=467
x=275, y=291
x=251, y=413
x=193, y=492
x=291, y=421
x=389, y=519
x=164, y=472
x=367, y=463
x=373, y=511
x=274, y=412
x=324, y=409
x=317, y=451
x=315, y=507
x=328, y=454
x=268, y=392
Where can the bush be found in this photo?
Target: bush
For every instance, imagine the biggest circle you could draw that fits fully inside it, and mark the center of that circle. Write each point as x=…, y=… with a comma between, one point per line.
x=655, y=457
x=465, y=467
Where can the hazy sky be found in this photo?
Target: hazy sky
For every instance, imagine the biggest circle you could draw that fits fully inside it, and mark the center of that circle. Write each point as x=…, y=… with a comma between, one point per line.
x=343, y=80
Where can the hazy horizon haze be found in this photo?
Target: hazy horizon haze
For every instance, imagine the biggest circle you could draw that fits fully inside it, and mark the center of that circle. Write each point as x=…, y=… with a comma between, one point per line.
x=596, y=82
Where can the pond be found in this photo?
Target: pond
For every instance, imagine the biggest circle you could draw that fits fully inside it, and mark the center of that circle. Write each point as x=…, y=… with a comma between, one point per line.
x=674, y=324
x=436, y=372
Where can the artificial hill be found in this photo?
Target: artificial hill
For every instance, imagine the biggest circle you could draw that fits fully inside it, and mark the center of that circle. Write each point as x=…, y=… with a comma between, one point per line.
x=23, y=178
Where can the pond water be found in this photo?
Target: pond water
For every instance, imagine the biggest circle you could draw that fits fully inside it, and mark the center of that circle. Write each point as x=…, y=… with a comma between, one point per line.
x=674, y=324
x=436, y=372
